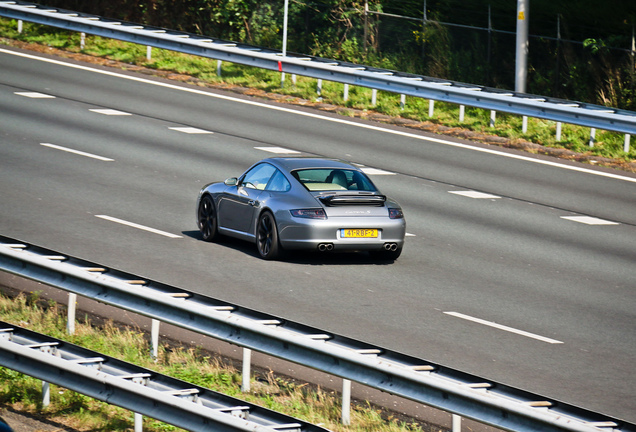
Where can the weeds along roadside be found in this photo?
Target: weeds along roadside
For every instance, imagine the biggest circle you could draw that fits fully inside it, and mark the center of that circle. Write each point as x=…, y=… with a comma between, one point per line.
x=82, y=413
x=608, y=149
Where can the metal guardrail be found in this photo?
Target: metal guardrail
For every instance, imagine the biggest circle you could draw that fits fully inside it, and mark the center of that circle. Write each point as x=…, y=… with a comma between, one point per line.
x=435, y=385
x=134, y=388
x=558, y=110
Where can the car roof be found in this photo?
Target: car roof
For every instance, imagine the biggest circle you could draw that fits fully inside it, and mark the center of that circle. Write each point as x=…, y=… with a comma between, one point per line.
x=294, y=163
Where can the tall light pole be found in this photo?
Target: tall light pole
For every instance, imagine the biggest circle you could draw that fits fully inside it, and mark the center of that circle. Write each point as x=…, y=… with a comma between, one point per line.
x=521, y=68
x=282, y=77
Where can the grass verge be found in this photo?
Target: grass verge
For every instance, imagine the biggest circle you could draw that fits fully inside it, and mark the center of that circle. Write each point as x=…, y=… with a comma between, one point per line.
x=540, y=137
x=82, y=413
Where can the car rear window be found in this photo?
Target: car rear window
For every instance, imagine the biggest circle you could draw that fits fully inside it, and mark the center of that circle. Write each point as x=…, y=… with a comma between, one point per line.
x=327, y=179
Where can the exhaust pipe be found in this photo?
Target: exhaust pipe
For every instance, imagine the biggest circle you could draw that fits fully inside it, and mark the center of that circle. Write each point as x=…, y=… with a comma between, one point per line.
x=325, y=247
x=390, y=246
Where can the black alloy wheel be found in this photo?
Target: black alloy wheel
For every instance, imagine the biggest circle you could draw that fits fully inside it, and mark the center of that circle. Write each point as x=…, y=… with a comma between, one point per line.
x=207, y=219
x=267, y=237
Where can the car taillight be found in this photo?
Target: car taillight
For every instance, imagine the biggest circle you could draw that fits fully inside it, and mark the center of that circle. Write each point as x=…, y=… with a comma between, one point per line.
x=395, y=213
x=309, y=213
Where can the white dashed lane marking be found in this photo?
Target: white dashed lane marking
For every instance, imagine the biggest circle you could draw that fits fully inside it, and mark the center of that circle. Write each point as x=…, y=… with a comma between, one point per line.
x=588, y=220
x=474, y=194
x=109, y=112
x=141, y=227
x=503, y=327
x=376, y=171
x=277, y=150
x=77, y=152
x=35, y=95
x=190, y=130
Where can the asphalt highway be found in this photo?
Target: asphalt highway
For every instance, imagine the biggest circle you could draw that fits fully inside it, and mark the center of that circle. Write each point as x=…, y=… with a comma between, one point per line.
x=517, y=268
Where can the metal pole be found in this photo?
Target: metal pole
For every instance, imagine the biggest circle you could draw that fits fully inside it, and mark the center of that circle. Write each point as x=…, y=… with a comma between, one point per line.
x=456, y=423
x=462, y=111
x=139, y=422
x=521, y=69
x=431, y=107
x=46, y=394
x=70, y=319
x=247, y=364
x=282, y=76
x=346, y=402
x=366, y=23
x=154, y=339
x=489, y=53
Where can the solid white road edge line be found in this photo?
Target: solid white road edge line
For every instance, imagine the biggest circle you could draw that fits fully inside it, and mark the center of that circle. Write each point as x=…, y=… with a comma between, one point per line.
x=347, y=122
x=503, y=327
x=141, y=227
x=77, y=152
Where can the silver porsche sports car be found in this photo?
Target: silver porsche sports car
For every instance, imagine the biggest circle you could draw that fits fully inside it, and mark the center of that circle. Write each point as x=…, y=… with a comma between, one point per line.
x=292, y=203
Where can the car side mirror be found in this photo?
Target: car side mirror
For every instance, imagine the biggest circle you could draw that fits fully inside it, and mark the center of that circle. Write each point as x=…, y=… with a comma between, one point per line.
x=232, y=181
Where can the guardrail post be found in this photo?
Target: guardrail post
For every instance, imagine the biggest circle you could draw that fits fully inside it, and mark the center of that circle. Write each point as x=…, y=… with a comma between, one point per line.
x=70, y=318
x=247, y=365
x=154, y=339
x=493, y=115
x=558, y=131
x=346, y=402
x=82, y=40
x=402, y=101
x=19, y=26
x=524, y=124
x=462, y=111
x=592, y=137
x=148, y=52
x=431, y=107
x=345, y=96
x=218, y=67
x=46, y=394
x=626, y=143
x=139, y=422
x=456, y=423
x=319, y=87
x=374, y=97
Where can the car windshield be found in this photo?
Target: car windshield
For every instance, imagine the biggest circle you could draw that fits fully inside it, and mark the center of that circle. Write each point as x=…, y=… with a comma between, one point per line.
x=328, y=179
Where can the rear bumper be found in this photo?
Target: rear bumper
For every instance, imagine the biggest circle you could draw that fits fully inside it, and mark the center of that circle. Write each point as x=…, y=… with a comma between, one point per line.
x=310, y=233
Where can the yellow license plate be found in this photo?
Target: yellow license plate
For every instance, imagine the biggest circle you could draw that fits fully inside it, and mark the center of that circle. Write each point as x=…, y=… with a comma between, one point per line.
x=359, y=233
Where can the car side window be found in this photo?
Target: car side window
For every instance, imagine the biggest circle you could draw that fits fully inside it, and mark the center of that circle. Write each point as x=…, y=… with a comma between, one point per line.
x=278, y=183
x=258, y=177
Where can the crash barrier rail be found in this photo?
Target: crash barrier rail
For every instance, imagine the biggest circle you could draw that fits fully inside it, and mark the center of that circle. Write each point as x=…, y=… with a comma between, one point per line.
x=435, y=385
x=526, y=105
x=134, y=388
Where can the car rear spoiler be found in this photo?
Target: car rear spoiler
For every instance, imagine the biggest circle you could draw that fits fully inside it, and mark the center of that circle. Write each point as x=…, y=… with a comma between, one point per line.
x=342, y=200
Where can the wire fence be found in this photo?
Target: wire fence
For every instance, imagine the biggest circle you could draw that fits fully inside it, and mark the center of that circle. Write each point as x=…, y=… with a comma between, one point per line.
x=595, y=70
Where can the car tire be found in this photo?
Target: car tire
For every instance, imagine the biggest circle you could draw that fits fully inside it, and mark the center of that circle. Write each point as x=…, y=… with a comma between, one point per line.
x=386, y=255
x=207, y=219
x=267, y=237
